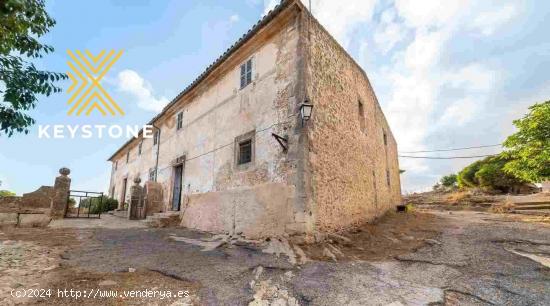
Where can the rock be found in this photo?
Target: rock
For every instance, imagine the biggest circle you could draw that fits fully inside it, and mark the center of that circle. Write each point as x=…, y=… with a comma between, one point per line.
x=34, y=220
x=107, y=283
x=131, y=270
x=8, y=219
x=50, y=268
x=8, y=242
x=432, y=242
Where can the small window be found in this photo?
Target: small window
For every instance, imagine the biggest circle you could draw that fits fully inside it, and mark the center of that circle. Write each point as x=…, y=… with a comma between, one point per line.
x=127, y=156
x=140, y=146
x=246, y=73
x=245, y=152
x=388, y=177
x=156, y=137
x=152, y=174
x=116, y=165
x=385, y=139
x=361, y=116
x=179, y=121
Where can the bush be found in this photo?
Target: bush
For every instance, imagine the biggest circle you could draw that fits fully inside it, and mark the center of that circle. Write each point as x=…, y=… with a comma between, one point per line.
x=491, y=175
x=449, y=180
x=99, y=205
x=466, y=177
x=488, y=174
x=6, y=193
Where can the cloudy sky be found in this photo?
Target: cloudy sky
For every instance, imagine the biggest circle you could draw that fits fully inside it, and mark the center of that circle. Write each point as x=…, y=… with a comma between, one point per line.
x=447, y=73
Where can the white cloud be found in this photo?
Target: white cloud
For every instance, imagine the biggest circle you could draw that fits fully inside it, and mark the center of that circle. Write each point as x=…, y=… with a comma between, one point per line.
x=341, y=19
x=131, y=82
x=487, y=22
x=474, y=77
x=389, y=32
x=234, y=18
x=460, y=112
x=430, y=13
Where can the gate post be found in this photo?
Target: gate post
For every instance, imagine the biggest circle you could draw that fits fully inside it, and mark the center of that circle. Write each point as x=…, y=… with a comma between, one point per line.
x=60, y=199
x=136, y=192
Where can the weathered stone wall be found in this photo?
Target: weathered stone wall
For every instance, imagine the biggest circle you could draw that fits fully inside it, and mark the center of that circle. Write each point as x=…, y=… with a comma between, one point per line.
x=348, y=159
x=217, y=112
x=254, y=212
x=37, y=208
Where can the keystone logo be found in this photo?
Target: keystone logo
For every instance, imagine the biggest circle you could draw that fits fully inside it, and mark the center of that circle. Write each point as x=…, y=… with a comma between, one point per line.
x=90, y=94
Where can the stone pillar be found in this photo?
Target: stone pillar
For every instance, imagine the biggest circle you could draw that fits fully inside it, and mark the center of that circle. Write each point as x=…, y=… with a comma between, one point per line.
x=546, y=187
x=135, y=209
x=61, y=190
x=153, y=199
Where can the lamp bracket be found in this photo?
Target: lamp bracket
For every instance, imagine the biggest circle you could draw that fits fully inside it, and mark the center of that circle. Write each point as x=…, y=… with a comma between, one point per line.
x=283, y=141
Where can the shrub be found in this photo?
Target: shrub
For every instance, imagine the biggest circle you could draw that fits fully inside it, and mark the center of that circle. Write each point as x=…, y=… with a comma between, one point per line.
x=99, y=204
x=6, y=193
x=466, y=177
x=491, y=175
x=449, y=180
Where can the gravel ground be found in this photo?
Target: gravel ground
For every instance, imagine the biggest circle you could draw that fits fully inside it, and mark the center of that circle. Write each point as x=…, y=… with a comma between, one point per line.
x=474, y=260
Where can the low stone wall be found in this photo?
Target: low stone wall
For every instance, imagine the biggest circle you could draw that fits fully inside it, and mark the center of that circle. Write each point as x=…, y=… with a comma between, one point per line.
x=257, y=212
x=36, y=209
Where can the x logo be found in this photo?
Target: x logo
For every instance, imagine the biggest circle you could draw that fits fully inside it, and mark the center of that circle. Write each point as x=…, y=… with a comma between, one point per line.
x=90, y=70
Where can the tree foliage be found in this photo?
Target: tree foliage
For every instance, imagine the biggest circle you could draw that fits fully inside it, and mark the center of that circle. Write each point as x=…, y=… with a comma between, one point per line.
x=22, y=22
x=489, y=173
x=466, y=177
x=529, y=148
x=6, y=193
x=449, y=180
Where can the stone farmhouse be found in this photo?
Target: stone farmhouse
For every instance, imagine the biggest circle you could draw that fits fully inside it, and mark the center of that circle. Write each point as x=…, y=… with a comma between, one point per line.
x=238, y=152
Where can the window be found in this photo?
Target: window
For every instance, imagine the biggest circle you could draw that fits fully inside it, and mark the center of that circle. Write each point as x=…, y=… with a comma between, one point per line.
x=140, y=147
x=152, y=174
x=179, y=121
x=127, y=156
x=116, y=165
x=385, y=139
x=245, y=152
x=361, y=116
x=156, y=137
x=246, y=73
x=388, y=177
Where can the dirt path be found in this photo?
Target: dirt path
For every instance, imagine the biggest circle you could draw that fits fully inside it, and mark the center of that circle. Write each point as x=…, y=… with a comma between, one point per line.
x=435, y=257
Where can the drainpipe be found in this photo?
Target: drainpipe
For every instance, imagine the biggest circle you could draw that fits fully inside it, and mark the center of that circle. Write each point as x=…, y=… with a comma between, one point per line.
x=158, y=153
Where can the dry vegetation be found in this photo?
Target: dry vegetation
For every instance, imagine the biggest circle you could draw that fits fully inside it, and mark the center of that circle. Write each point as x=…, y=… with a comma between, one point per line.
x=392, y=235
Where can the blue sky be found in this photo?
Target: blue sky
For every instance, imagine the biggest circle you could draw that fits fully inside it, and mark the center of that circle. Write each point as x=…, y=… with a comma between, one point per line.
x=447, y=75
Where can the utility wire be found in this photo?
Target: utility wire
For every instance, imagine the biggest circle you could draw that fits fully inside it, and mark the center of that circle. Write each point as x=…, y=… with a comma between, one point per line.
x=445, y=157
x=453, y=149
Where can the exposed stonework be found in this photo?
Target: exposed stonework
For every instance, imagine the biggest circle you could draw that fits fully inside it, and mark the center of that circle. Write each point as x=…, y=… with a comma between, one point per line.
x=349, y=158
x=62, y=188
x=152, y=198
x=135, y=209
x=328, y=175
x=37, y=208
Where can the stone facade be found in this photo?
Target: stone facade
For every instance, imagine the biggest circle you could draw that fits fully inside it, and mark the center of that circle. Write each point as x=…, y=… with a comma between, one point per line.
x=321, y=177
x=352, y=153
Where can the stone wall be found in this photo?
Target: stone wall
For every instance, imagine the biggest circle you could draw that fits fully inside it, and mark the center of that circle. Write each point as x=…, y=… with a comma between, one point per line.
x=217, y=112
x=37, y=208
x=348, y=158
x=254, y=212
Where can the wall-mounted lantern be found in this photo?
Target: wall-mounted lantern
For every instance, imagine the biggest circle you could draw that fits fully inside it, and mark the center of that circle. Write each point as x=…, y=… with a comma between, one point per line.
x=305, y=110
